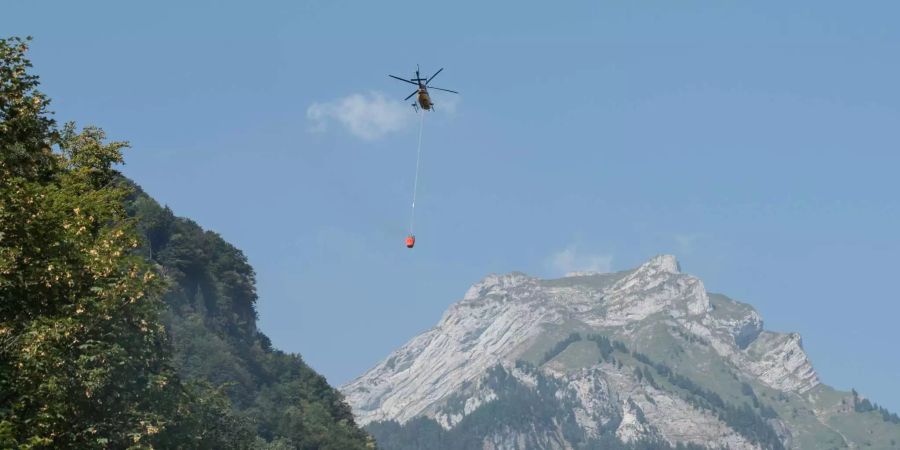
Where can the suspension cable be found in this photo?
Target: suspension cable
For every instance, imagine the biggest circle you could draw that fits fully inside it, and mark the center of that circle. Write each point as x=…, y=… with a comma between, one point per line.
x=412, y=214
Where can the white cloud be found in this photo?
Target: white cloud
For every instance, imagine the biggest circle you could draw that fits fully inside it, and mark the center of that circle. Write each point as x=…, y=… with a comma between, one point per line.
x=367, y=116
x=570, y=260
x=445, y=103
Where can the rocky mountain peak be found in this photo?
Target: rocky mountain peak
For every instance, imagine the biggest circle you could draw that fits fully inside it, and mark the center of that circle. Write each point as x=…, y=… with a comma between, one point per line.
x=662, y=263
x=495, y=284
x=654, y=309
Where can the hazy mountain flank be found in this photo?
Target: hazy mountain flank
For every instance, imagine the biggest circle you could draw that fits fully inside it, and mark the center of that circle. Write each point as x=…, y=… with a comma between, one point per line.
x=645, y=358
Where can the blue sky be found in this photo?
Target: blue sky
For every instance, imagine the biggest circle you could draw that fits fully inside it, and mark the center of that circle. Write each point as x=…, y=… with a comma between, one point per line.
x=757, y=141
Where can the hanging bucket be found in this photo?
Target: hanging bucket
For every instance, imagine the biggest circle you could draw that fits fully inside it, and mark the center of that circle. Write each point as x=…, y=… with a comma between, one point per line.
x=410, y=241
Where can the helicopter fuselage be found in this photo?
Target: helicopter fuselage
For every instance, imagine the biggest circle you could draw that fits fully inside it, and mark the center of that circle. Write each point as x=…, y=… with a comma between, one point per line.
x=424, y=99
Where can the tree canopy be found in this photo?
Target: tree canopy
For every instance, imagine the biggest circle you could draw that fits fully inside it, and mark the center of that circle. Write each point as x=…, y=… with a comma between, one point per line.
x=84, y=352
x=120, y=325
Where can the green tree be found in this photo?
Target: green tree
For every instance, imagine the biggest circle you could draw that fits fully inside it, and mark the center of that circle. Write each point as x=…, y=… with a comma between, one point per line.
x=122, y=326
x=83, y=354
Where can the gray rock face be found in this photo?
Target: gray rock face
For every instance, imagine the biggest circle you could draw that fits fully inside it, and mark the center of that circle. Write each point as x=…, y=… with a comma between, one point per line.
x=505, y=318
x=779, y=361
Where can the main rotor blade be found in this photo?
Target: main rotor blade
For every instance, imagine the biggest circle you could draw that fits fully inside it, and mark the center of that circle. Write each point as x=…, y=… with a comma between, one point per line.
x=410, y=95
x=441, y=89
x=403, y=79
x=432, y=77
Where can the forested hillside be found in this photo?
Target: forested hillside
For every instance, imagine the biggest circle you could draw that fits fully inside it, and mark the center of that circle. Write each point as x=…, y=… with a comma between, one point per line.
x=122, y=326
x=211, y=318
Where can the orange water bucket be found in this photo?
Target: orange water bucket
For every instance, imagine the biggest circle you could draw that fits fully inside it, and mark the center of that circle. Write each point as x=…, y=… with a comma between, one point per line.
x=410, y=241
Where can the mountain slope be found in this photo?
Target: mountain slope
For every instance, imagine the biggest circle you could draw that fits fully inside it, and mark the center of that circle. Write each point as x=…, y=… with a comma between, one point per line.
x=211, y=320
x=635, y=358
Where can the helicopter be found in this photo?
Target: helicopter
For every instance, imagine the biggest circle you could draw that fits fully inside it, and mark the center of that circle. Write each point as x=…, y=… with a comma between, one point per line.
x=424, y=99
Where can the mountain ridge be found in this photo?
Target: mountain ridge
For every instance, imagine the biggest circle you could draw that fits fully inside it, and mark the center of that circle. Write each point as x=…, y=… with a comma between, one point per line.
x=703, y=345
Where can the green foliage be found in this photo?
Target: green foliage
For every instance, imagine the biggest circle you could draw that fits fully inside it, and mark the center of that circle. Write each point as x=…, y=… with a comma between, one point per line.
x=83, y=360
x=211, y=319
x=863, y=405
x=420, y=433
x=560, y=347
x=604, y=345
x=94, y=296
x=27, y=132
